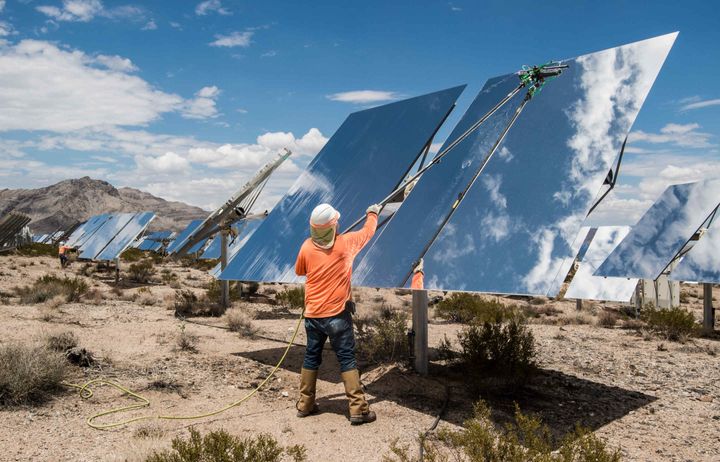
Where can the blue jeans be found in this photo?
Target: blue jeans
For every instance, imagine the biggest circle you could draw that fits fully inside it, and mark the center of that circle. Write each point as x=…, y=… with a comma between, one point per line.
x=342, y=339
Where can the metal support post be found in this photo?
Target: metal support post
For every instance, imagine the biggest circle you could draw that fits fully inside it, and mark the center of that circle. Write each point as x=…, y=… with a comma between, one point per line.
x=224, y=285
x=420, y=328
x=708, y=310
x=117, y=270
x=578, y=304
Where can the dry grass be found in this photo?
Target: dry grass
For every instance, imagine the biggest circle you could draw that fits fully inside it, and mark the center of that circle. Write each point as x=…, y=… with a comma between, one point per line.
x=61, y=341
x=187, y=341
x=29, y=374
x=146, y=298
x=239, y=321
x=607, y=319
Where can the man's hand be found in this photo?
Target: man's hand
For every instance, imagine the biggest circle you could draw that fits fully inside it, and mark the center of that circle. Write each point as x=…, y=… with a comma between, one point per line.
x=375, y=208
x=419, y=267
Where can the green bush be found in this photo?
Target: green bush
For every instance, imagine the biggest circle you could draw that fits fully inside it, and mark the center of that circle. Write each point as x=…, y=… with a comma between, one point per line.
x=188, y=304
x=528, y=439
x=383, y=338
x=250, y=288
x=141, y=271
x=49, y=286
x=498, y=353
x=212, y=290
x=29, y=374
x=220, y=446
x=676, y=324
x=35, y=249
x=292, y=297
x=132, y=255
x=465, y=308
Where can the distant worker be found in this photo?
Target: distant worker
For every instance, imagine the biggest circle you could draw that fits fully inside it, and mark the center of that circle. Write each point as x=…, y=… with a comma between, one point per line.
x=326, y=258
x=63, y=252
x=418, y=278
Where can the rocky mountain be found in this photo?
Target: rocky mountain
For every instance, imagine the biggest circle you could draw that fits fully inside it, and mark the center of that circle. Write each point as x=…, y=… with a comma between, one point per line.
x=61, y=205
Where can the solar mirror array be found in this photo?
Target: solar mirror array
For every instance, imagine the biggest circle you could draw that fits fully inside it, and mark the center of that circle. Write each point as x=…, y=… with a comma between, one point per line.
x=11, y=226
x=104, y=237
x=368, y=155
x=526, y=179
x=155, y=241
x=585, y=286
x=664, y=231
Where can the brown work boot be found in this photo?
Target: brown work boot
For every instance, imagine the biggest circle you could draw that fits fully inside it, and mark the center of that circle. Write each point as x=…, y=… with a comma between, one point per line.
x=360, y=412
x=306, y=404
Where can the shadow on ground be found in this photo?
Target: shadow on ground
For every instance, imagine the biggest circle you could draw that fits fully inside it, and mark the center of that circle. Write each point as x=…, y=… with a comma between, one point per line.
x=560, y=400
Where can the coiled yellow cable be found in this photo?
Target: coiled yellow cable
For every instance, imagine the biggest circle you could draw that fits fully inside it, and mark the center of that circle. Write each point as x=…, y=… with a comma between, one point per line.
x=86, y=392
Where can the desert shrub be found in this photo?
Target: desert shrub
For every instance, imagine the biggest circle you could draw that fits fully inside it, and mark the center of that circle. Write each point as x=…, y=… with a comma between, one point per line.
x=213, y=288
x=524, y=440
x=29, y=374
x=382, y=338
x=197, y=263
x=684, y=296
x=465, y=308
x=498, y=353
x=607, y=319
x=539, y=311
x=221, y=446
x=240, y=322
x=292, y=297
x=185, y=301
x=445, y=350
x=167, y=276
x=61, y=341
x=146, y=298
x=94, y=296
x=132, y=255
x=537, y=301
x=251, y=288
x=49, y=286
x=186, y=341
x=141, y=271
x=676, y=324
x=35, y=249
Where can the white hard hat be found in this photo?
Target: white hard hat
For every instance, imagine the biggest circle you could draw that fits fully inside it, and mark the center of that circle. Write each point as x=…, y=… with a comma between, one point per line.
x=324, y=215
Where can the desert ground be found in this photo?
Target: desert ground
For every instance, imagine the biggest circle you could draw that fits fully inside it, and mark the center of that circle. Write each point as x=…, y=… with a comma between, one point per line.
x=653, y=398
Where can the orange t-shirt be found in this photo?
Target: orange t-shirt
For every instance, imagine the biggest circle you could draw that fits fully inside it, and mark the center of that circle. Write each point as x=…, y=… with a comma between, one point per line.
x=63, y=249
x=328, y=271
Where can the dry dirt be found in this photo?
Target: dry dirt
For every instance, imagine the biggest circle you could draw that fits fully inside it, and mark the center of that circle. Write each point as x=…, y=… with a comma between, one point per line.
x=656, y=400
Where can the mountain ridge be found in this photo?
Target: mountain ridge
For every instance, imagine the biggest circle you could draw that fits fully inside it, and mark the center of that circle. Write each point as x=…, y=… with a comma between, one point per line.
x=60, y=205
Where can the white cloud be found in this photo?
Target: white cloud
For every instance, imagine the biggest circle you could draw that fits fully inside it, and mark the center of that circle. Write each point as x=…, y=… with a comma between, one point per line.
x=203, y=105
x=116, y=63
x=87, y=10
x=363, y=96
x=682, y=135
x=2, y=5
x=269, y=54
x=150, y=25
x=234, y=39
x=700, y=104
x=167, y=163
x=6, y=29
x=47, y=87
x=210, y=6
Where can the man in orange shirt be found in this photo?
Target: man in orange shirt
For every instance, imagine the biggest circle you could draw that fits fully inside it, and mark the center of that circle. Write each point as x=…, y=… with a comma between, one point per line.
x=326, y=260
x=63, y=251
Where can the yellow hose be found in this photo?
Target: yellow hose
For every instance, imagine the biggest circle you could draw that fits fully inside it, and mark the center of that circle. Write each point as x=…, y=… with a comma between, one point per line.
x=86, y=392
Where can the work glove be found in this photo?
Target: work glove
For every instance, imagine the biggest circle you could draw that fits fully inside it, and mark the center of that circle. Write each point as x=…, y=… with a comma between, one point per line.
x=375, y=208
x=419, y=266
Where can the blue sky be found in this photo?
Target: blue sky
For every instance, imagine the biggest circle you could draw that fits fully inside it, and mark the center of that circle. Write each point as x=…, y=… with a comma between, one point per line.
x=186, y=99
